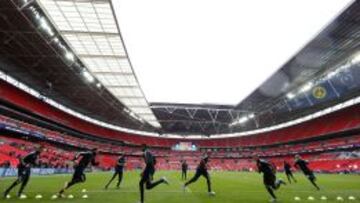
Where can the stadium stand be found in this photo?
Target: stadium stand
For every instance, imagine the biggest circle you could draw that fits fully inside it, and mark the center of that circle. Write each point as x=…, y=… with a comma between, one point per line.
x=339, y=122
x=329, y=141
x=333, y=154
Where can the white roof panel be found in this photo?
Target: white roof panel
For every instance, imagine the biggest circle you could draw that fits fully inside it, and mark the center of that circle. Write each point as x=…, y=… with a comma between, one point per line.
x=90, y=29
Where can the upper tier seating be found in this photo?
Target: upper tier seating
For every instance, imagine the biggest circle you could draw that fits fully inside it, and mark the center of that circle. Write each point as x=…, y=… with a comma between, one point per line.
x=340, y=121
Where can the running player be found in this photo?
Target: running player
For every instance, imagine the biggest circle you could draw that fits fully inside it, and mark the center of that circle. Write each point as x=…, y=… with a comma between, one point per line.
x=184, y=168
x=85, y=158
x=24, y=171
x=269, y=177
x=303, y=166
x=288, y=172
x=148, y=172
x=119, y=169
x=201, y=170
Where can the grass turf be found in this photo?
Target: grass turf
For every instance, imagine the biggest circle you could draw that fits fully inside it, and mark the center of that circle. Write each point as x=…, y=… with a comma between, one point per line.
x=230, y=187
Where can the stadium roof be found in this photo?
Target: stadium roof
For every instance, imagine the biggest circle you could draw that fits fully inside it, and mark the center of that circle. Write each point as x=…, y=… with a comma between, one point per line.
x=324, y=73
x=91, y=30
x=36, y=58
x=216, y=51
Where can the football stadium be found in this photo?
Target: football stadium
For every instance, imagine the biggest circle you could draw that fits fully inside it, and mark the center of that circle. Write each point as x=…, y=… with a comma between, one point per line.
x=169, y=101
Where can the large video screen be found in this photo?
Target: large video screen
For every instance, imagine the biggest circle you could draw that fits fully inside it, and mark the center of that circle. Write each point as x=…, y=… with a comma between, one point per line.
x=184, y=146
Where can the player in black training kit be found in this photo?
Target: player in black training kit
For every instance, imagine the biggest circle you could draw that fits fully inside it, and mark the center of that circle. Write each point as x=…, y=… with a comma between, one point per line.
x=184, y=168
x=303, y=166
x=147, y=174
x=201, y=170
x=288, y=172
x=24, y=170
x=79, y=177
x=119, y=169
x=268, y=170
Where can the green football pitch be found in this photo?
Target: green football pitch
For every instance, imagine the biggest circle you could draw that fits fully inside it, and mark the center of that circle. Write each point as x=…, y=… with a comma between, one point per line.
x=230, y=187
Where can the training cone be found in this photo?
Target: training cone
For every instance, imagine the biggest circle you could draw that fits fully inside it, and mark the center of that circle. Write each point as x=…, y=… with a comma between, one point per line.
x=339, y=198
x=8, y=196
x=352, y=198
x=297, y=198
x=23, y=196
x=38, y=196
x=70, y=196
x=83, y=190
x=311, y=198
x=323, y=198
x=212, y=193
x=54, y=197
x=85, y=196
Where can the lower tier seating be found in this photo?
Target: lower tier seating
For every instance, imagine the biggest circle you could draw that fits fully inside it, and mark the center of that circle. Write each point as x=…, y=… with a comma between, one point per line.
x=58, y=156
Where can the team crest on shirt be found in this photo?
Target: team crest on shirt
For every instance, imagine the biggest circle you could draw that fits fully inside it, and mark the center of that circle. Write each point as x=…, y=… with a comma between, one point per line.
x=319, y=92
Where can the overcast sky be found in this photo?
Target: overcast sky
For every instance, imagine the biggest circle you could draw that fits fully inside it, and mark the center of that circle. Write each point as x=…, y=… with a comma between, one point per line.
x=215, y=51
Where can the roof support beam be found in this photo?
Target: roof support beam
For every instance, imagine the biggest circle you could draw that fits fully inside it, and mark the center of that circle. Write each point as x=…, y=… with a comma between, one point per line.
x=122, y=86
x=112, y=73
x=79, y=32
x=102, y=56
